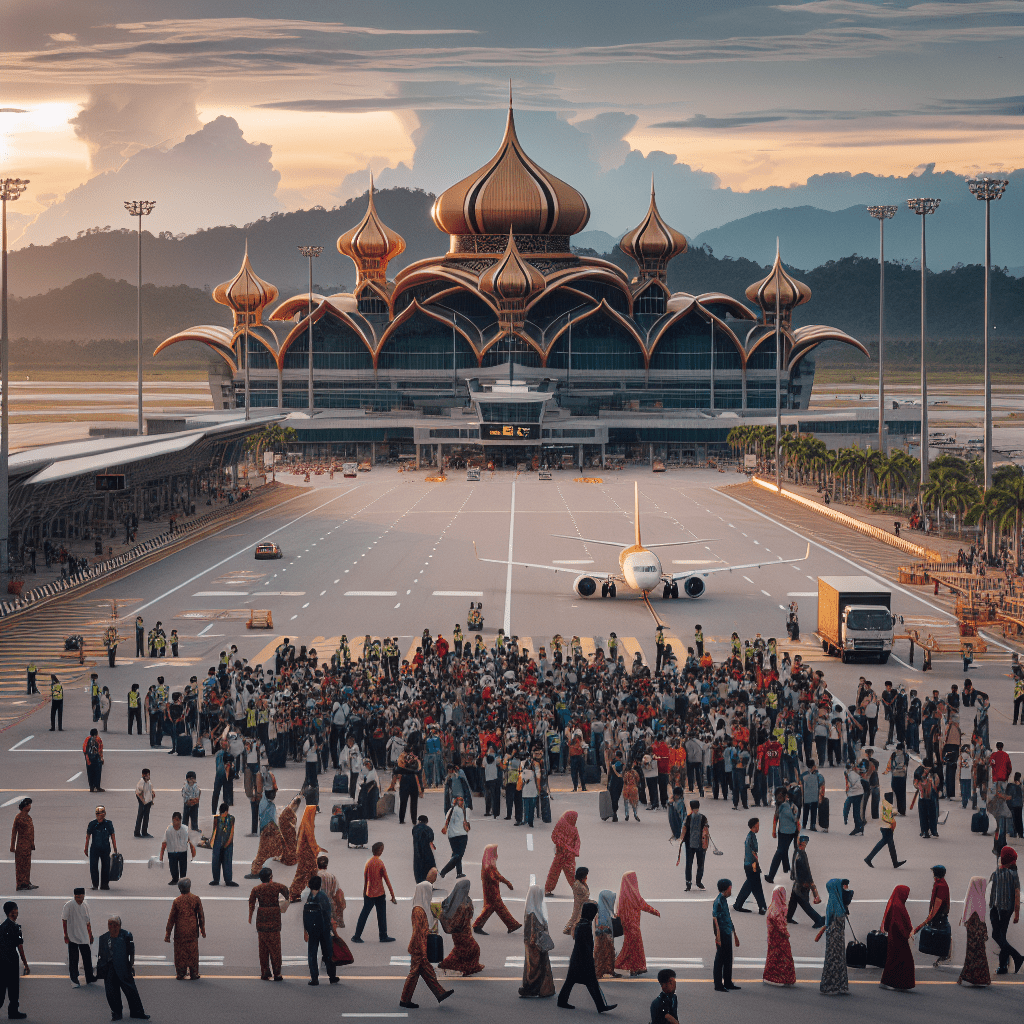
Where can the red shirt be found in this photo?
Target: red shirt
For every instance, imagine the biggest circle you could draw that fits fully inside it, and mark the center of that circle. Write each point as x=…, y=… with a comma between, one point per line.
x=662, y=753
x=1001, y=765
x=772, y=754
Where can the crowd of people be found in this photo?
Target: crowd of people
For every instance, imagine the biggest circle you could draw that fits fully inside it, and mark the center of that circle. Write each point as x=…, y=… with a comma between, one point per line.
x=494, y=721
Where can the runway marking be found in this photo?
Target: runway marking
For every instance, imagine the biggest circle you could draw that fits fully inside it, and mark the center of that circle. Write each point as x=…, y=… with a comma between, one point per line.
x=529, y=841
x=533, y=878
x=766, y=594
x=19, y=743
x=13, y=800
x=371, y=593
x=221, y=593
x=75, y=776
x=508, y=577
x=802, y=593
x=458, y=593
x=748, y=579
x=207, y=629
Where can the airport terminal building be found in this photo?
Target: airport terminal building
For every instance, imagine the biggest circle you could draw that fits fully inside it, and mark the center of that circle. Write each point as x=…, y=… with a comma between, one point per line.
x=511, y=341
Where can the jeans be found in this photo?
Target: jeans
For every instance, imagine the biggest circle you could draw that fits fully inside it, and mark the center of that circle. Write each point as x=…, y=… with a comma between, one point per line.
x=434, y=769
x=965, y=792
x=1000, y=922
x=739, y=788
x=458, y=845
x=190, y=816
x=529, y=808
x=222, y=785
x=853, y=801
x=179, y=865
x=378, y=903
x=751, y=887
x=886, y=840
x=222, y=858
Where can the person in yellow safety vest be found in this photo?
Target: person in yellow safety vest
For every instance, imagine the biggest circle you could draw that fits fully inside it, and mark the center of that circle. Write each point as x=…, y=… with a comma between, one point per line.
x=613, y=648
x=56, y=705
x=556, y=648
x=250, y=719
x=134, y=709
x=500, y=641
x=94, y=696
x=150, y=641
x=160, y=645
x=698, y=640
x=480, y=647
x=110, y=639
x=577, y=649
x=31, y=679
x=748, y=656
x=736, y=645
x=457, y=640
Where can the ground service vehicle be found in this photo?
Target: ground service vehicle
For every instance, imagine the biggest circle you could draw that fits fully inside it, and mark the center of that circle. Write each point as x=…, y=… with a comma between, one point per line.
x=855, y=618
x=268, y=550
x=473, y=473
x=658, y=466
x=349, y=469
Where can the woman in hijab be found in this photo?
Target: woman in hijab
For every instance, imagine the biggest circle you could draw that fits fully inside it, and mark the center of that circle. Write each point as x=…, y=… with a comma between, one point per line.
x=422, y=849
x=631, y=792
x=286, y=824
x=23, y=842
x=580, y=895
x=975, y=973
x=834, y=979
x=938, y=912
x=491, y=878
x=604, y=936
x=457, y=921
x=369, y=790
x=631, y=904
x=899, y=958
x=566, y=837
x=778, y=964
x=307, y=849
x=419, y=965
x=537, y=980
x=582, y=970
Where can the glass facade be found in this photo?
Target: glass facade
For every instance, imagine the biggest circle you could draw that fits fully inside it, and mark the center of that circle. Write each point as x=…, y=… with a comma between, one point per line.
x=422, y=343
x=684, y=346
x=510, y=412
x=598, y=343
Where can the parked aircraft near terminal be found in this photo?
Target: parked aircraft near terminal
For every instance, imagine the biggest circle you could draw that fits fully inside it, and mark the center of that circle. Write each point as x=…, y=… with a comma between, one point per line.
x=640, y=568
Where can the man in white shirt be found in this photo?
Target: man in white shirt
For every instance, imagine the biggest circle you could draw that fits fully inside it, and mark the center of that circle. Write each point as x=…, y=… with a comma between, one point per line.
x=145, y=797
x=78, y=937
x=177, y=844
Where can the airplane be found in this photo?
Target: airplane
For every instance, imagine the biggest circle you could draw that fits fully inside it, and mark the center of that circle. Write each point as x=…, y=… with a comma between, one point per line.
x=640, y=568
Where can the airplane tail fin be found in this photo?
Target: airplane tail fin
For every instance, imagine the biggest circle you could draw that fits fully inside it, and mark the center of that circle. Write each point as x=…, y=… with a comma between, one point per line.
x=636, y=511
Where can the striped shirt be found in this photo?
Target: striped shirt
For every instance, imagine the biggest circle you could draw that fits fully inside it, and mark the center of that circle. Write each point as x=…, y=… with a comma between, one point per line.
x=1003, y=885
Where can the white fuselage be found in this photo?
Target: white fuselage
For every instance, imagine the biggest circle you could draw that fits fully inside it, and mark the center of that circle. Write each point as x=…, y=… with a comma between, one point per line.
x=641, y=569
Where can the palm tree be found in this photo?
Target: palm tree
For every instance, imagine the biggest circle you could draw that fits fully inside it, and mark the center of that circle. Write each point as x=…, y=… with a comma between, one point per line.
x=273, y=437
x=939, y=490
x=961, y=497
x=1007, y=502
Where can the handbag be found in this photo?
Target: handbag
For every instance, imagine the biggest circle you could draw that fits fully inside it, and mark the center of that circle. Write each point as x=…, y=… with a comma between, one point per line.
x=545, y=943
x=616, y=927
x=340, y=953
x=435, y=948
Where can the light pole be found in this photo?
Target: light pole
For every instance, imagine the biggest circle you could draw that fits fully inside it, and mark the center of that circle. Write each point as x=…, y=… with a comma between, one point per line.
x=881, y=214
x=311, y=252
x=778, y=375
x=985, y=190
x=10, y=189
x=923, y=207
x=140, y=208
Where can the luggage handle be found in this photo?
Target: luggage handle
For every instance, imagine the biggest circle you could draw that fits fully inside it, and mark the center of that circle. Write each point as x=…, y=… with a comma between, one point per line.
x=852, y=932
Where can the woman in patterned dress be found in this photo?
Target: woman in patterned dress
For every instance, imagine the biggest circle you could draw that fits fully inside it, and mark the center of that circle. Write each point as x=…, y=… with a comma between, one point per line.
x=631, y=904
x=604, y=936
x=265, y=900
x=898, y=973
x=834, y=979
x=975, y=973
x=491, y=878
x=537, y=980
x=419, y=965
x=307, y=849
x=23, y=842
x=778, y=964
x=188, y=922
x=286, y=823
x=630, y=792
x=580, y=895
x=566, y=837
x=457, y=921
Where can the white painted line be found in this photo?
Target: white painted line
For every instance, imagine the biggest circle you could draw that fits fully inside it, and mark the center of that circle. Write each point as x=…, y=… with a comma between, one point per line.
x=748, y=579
x=306, y=605
x=16, y=799
x=508, y=577
x=371, y=593
x=766, y=594
x=572, y=561
x=75, y=776
x=533, y=878
x=208, y=628
x=241, y=551
x=802, y=593
x=221, y=593
x=19, y=743
x=458, y=593
x=529, y=840
x=322, y=592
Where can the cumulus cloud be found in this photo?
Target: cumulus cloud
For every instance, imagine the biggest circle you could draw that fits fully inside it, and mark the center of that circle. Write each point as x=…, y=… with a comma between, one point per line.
x=120, y=120
x=213, y=176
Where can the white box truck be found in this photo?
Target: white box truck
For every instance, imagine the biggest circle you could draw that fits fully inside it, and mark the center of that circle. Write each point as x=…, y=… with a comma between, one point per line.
x=855, y=618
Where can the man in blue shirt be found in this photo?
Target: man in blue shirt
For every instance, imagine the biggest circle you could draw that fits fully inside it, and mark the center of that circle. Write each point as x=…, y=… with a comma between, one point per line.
x=665, y=1007
x=725, y=936
x=752, y=869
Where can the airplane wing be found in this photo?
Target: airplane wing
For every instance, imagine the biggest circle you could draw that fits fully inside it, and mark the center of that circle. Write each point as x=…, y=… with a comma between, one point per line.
x=620, y=545
x=730, y=568
x=554, y=568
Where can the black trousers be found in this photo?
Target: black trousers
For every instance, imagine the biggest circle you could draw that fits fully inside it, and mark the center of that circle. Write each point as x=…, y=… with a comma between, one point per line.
x=57, y=715
x=886, y=840
x=135, y=715
x=592, y=987
x=190, y=816
x=75, y=950
x=722, y=970
x=751, y=887
x=513, y=802
x=781, y=855
x=492, y=802
x=142, y=818
x=140, y=646
x=899, y=789
x=458, y=845
x=95, y=775
x=699, y=854
x=798, y=898
x=410, y=798
x=695, y=776
x=99, y=867
x=320, y=942
x=156, y=729
x=10, y=986
x=179, y=865
x=1000, y=922
x=114, y=986
x=378, y=903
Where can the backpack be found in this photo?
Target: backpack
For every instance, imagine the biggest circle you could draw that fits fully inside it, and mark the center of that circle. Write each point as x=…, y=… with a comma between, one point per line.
x=92, y=749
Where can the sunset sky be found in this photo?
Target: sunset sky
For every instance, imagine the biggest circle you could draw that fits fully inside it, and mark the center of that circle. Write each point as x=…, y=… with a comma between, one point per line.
x=301, y=100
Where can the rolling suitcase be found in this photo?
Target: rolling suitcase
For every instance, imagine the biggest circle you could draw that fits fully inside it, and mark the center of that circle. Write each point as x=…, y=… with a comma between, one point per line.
x=199, y=751
x=340, y=784
x=935, y=942
x=878, y=948
x=592, y=770
x=351, y=812
x=277, y=755
x=545, y=808
x=358, y=833
x=116, y=867
x=979, y=822
x=856, y=952
x=823, y=814
x=339, y=823
x=604, y=803
x=183, y=744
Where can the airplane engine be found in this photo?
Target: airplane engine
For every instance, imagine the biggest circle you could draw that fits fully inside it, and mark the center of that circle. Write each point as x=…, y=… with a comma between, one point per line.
x=694, y=586
x=585, y=586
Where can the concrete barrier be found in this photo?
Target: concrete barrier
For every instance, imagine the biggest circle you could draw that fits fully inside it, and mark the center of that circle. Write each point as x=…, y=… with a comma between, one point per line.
x=927, y=554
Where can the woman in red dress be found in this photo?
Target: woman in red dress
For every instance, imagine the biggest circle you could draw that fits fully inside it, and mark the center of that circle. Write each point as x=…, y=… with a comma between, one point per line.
x=899, y=959
x=631, y=904
x=491, y=878
x=457, y=921
x=566, y=837
x=778, y=964
x=307, y=849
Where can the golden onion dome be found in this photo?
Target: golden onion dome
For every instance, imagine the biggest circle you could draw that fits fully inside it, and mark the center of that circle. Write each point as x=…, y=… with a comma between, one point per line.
x=245, y=292
x=653, y=243
x=791, y=292
x=511, y=278
x=371, y=243
x=511, y=190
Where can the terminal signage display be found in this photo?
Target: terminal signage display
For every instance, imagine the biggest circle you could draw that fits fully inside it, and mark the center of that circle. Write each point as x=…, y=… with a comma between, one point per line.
x=510, y=431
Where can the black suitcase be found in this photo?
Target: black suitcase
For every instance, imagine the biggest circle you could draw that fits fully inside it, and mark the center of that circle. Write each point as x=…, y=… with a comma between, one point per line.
x=339, y=823
x=184, y=745
x=604, y=804
x=116, y=867
x=340, y=784
x=358, y=833
x=351, y=812
x=823, y=814
x=592, y=770
x=856, y=954
x=878, y=948
x=545, y=808
x=199, y=751
x=277, y=755
x=934, y=942
x=979, y=822
x=311, y=794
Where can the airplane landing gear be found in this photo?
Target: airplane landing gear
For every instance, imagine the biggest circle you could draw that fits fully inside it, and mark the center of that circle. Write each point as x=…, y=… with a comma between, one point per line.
x=607, y=589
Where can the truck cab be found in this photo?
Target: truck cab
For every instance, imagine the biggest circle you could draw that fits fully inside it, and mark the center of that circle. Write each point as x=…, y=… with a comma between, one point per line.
x=866, y=630
x=855, y=618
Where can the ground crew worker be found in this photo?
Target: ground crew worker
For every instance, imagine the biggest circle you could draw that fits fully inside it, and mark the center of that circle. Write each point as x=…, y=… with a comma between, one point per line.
x=613, y=648
x=110, y=642
x=140, y=637
x=94, y=696
x=222, y=667
x=30, y=673
x=480, y=647
x=736, y=645
x=160, y=645
x=577, y=651
x=151, y=642
x=396, y=654
x=457, y=640
x=698, y=640
x=155, y=707
x=134, y=709
x=174, y=643
x=250, y=719
x=56, y=705
x=659, y=644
